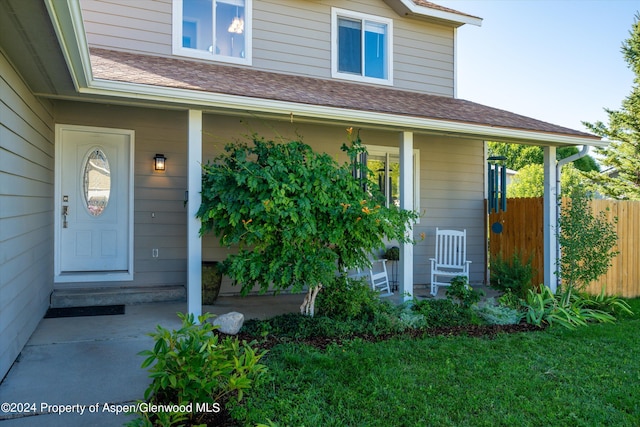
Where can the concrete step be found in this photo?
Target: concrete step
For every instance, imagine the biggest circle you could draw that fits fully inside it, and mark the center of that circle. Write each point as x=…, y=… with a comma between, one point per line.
x=92, y=296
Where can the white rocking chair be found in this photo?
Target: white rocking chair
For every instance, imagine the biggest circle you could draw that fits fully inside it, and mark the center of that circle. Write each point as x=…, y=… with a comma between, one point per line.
x=379, y=278
x=451, y=258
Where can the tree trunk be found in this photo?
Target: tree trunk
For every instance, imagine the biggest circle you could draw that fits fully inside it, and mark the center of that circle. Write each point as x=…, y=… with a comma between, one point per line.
x=308, y=306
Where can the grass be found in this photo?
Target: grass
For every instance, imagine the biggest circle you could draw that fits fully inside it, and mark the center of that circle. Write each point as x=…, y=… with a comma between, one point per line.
x=586, y=377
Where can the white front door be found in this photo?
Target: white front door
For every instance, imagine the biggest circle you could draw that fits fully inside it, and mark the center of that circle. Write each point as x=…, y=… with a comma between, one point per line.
x=93, y=213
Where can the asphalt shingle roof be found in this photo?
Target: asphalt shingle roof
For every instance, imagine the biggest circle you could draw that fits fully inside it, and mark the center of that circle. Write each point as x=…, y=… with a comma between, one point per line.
x=224, y=79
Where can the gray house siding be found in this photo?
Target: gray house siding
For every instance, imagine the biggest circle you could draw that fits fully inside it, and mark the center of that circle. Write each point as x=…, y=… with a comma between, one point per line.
x=26, y=211
x=452, y=196
x=291, y=37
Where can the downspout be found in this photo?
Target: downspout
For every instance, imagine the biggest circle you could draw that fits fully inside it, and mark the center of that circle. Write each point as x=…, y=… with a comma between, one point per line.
x=559, y=165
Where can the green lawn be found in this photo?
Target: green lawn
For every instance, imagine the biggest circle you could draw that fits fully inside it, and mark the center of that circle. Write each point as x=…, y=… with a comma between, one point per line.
x=556, y=377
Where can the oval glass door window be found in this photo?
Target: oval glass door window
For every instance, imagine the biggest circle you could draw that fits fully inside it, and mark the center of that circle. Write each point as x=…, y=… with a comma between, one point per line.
x=96, y=181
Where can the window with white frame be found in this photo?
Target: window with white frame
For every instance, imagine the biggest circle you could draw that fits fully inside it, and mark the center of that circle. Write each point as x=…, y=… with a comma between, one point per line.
x=384, y=162
x=362, y=47
x=213, y=29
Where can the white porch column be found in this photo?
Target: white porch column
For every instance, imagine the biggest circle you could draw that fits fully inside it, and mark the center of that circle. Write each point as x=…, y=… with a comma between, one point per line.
x=550, y=218
x=406, y=202
x=194, y=185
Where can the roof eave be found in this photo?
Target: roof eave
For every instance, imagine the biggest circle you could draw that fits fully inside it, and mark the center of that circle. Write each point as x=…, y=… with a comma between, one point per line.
x=409, y=8
x=67, y=20
x=66, y=17
x=286, y=110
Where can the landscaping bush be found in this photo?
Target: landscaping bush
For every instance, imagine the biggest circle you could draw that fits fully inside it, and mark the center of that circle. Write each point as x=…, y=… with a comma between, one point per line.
x=511, y=300
x=588, y=241
x=460, y=291
x=571, y=309
x=444, y=312
x=298, y=327
x=611, y=304
x=192, y=366
x=498, y=314
x=514, y=275
x=347, y=298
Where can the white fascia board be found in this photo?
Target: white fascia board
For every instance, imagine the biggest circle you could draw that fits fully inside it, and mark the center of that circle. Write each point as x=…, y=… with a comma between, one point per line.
x=243, y=104
x=441, y=14
x=66, y=18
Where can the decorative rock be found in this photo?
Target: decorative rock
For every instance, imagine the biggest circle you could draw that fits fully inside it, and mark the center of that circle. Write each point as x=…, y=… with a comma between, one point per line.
x=230, y=323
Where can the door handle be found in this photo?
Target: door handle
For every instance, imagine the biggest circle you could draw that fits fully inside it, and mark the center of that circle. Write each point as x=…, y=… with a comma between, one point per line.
x=65, y=212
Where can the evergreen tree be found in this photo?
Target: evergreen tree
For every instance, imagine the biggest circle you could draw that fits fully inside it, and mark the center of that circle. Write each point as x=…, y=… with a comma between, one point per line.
x=622, y=156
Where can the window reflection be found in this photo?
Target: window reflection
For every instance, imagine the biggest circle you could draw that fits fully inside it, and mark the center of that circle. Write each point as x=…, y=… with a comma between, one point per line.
x=96, y=182
x=386, y=175
x=216, y=26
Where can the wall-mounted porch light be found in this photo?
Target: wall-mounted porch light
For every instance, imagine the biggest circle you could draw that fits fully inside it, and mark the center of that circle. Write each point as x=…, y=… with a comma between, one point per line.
x=159, y=162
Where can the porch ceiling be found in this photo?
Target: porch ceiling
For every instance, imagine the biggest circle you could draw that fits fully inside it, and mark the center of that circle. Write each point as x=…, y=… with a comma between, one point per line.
x=28, y=38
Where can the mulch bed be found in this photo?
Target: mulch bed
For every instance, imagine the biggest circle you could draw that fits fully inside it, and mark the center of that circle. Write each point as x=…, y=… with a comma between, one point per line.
x=486, y=331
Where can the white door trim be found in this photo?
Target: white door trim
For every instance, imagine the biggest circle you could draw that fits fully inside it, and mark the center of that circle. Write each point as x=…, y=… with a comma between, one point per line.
x=58, y=276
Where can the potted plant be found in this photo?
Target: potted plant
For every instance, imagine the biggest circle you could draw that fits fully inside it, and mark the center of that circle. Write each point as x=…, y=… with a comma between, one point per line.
x=393, y=253
x=211, y=281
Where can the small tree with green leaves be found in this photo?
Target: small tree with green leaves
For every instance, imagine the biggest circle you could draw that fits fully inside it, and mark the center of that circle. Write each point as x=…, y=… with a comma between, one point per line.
x=296, y=216
x=529, y=181
x=587, y=243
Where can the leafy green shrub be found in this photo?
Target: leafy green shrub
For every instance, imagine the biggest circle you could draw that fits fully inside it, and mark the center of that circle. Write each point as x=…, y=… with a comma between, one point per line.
x=569, y=308
x=298, y=327
x=411, y=318
x=613, y=305
x=444, y=312
x=587, y=242
x=293, y=325
x=511, y=300
x=194, y=365
x=512, y=275
x=393, y=253
x=541, y=307
x=347, y=298
x=497, y=314
x=461, y=291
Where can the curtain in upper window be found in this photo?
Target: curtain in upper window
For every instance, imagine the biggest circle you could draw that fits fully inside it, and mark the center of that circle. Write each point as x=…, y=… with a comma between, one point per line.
x=349, y=46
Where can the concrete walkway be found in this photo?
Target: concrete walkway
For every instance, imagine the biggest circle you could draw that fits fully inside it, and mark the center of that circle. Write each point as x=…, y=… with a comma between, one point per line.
x=87, y=362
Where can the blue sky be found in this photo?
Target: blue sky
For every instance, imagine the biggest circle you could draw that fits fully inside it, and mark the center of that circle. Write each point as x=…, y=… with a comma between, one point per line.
x=554, y=60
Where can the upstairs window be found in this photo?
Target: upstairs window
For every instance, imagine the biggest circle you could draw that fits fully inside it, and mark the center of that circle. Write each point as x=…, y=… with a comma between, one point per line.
x=213, y=29
x=361, y=47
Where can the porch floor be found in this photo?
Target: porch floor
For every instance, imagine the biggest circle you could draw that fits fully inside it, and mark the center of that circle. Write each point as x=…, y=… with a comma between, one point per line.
x=93, y=360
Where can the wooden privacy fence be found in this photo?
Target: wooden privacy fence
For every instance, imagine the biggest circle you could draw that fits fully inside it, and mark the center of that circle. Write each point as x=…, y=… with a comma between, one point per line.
x=522, y=230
